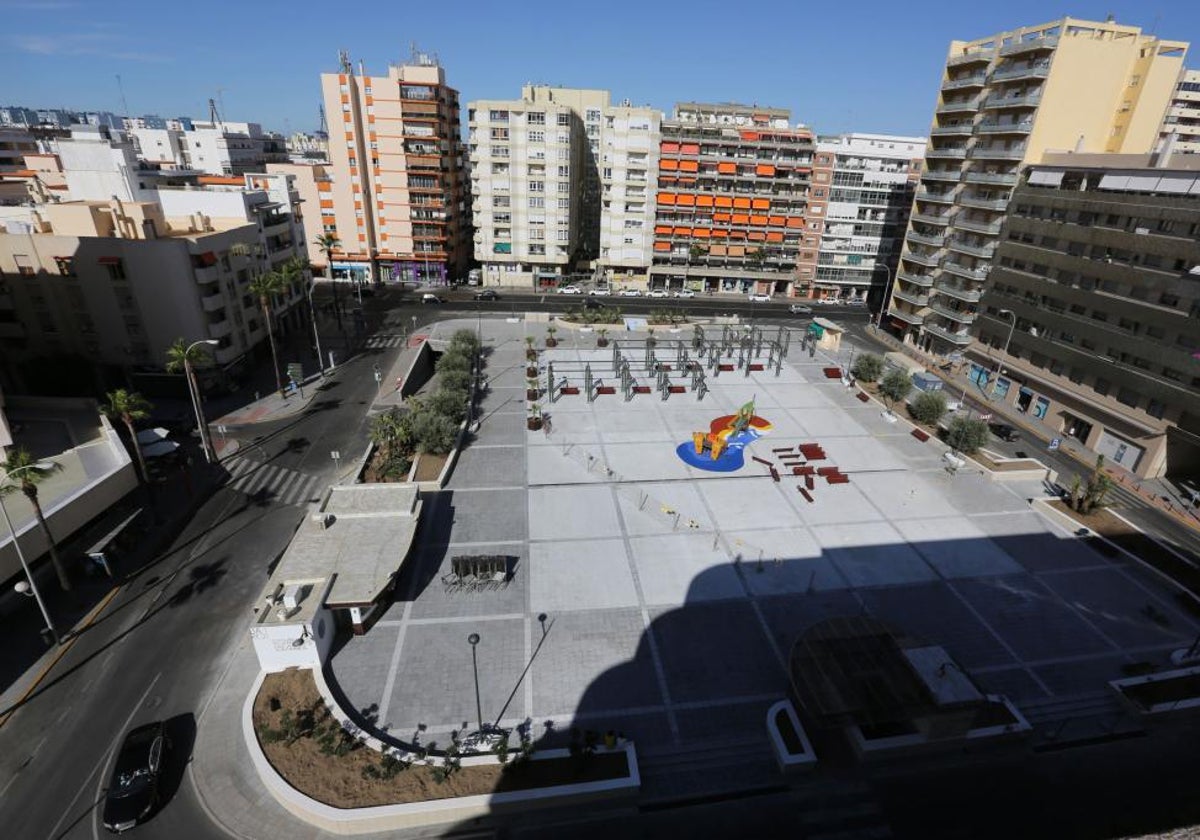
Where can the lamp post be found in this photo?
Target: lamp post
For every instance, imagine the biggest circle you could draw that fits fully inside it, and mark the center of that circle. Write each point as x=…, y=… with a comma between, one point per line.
x=312, y=316
x=194, y=390
x=887, y=292
x=473, y=639
x=1004, y=352
x=20, y=587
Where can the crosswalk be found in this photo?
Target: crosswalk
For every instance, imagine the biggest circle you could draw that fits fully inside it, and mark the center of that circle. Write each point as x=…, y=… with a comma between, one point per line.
x=277, y=484
x=380, y=342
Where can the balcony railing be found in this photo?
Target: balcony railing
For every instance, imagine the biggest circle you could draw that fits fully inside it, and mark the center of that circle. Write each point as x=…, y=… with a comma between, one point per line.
x=908, y=317
x=959, y=106
x=998, y=127
x=908, y=297
x=985, y=252
x=1037, y=70
x=940, y=196
x=220, y=329
x=947, y=152
x=932, y=218
x=961, y=128
x=952, y=175
x=1028, y=46
x=960, y=337
x=923, y=259
x=934, y=241
x=958, y=315
x=1029, y=100
x=969, y=58
x=998, y=152
x=951, y=267
x=971, y=81
x=924, y=281
x=1007, y=179
x=977, y=226
x=1000, y=204
x=213, y=303
x=959, y=292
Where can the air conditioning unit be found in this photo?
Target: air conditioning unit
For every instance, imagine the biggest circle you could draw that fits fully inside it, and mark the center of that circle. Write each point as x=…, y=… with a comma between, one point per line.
x=292, y=596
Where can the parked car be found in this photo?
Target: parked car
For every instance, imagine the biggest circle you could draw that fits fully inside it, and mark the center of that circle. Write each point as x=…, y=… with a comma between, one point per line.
x=629, y=293
x=1190, y=490
x=755, y=297
x=685, y=293
x=600, y=291
x=657, y=293
x=487, y=294
x=856, y=302
x=800, y=309
x=1005, y=432
x=429, y=297
x=133, y=788
x=570, y=290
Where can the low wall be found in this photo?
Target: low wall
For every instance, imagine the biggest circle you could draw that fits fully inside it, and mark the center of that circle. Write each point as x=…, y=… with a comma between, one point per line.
x=419, y=372
x=919, y=744
x=789, y=762
x=351, y=821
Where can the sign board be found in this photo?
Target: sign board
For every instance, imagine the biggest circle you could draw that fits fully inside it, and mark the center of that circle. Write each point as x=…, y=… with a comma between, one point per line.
x=1055, y=443
x=985, y=416
x=335, y=454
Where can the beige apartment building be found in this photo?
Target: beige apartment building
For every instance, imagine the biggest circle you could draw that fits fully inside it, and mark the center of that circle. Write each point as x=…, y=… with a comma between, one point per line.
x=629, y=153
x=1181, y=123
x=1004, y=101
x=396, y=195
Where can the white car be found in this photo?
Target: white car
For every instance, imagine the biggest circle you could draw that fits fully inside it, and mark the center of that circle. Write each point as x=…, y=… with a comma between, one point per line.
x=856, y=302
x=570, y=290
x=800, y=309
x=757, y=298
x=599, y=291
x=685, y=293
x=629, y=293
x=657, y=293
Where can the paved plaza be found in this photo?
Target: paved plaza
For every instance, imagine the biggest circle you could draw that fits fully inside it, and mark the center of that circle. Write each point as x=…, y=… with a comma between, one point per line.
x=672, y=595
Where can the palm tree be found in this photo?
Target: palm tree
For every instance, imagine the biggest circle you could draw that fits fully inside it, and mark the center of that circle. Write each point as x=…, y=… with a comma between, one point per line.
x=327, y=242
x=184, y=357
x=128, y=406
x=266, y=286
x=27, y=471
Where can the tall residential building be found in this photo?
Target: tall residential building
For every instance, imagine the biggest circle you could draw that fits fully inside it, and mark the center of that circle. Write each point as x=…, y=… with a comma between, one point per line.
x=733, y=202
x=535, y=185
x=218, y=148
x=1004, y=101
x=15, y=143
x=1091, y=322
x=629, y=148
x=871, y=179
x=1183, y=115
x=397, y=200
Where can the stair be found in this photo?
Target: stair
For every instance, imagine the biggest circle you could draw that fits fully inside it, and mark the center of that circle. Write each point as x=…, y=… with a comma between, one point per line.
x=1054, y=710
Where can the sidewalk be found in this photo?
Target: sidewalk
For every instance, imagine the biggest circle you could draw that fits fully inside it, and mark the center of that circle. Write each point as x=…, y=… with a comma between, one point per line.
x=273, y=406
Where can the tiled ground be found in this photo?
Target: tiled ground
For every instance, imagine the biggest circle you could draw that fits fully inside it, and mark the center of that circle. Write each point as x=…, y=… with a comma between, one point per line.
x=671, y=596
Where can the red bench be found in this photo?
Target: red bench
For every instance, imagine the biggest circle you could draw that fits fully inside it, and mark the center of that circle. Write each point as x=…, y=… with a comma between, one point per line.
x=920, y=434
x=641, y=389
x=676, y=389
x=862, y=396
x=569, y=390
x=808, y=481
x=833, y=373
x=838, y=478
x=606, y=389
x=725, y=367
x=756, y=366
x=827, y=470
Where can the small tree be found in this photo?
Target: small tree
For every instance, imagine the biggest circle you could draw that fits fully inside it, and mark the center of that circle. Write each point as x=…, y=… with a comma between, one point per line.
x=602, y=337
x=929, y=407
x=20, y=470
x=895, y=386
x=551, y=341
x=435, y=433
x=868, y=367
x=458, y=381
x=967, y=436
x=449, y=404
x=530, y=350
x=1092, y=495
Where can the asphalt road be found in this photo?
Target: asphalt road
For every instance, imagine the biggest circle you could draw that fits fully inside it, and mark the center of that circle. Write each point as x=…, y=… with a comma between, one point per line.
x=162, y=645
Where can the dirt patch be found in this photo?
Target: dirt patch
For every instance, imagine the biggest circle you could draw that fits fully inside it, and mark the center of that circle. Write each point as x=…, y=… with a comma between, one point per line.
x=338, y=781
x=377, y=471
x=429, y=467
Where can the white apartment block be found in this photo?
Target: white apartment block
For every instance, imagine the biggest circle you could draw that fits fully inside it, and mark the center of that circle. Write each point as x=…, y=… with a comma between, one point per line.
x=1183, y=115
x=216, y=148
x=529, y=170
x=629, y=150
x=870, y=180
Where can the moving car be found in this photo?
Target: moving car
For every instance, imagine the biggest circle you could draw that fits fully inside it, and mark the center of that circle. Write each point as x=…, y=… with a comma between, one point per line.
x=757, y=298
x=657, y=293
x=685, y=293
x=1005, y=432
x=856, y=302
x=592, y=303
x=570, y=290
x=600, y=290
x=487, y=294
x=429, y=297
x=629, y=293
x=800, y=309
x=133, y=789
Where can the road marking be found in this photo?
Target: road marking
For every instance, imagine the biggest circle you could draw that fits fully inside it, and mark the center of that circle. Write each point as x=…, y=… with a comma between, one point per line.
x=28, y=760
x=104, y=759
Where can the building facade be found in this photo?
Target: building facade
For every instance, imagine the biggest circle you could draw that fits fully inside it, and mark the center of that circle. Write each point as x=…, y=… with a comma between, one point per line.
x=1183, y=115
x=397, y=200
x=732, y=205
x=1095, y=293
x=629, y=149
x=1004, y=101
x=870, y=180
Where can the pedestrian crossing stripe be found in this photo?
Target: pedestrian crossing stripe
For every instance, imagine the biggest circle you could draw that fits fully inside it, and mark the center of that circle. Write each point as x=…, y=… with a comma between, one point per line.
x=285, y=486
x=379, y=342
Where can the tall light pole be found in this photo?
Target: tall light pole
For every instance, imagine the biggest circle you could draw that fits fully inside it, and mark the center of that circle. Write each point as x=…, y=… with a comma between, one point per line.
x=887, y=291
x=21, y=556
x=1004, y=352
x=312, y=316
x=473, y=640
x=194, y=389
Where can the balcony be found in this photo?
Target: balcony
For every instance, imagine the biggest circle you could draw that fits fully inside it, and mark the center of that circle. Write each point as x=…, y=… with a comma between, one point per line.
x=998, y=127
x=958, y=315
x=924, y=281
x=220, y=329
x=959, y=292
x=932, y=218
x=951, y=175
x=908, y=317
x=961, y=337
x=213, y=303
x=1037, y=70
x=996, y=204
x=1029, y=100
x=940, y=196
x=960, y=270
x=908, y=297
x=998, y=152
x=974, y=80
x=983, y=252
x=930, y=260
x=1031, y=45
x=947, y=152
x=1006, y=179
x=962, y=129
x=933, y=241
x=959, y=107
x=969, y=58
x=990, y=228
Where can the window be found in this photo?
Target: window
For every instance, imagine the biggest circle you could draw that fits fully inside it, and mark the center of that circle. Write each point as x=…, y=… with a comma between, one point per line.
x=563, y=119
x=537, y=186
x=116, y=269
x=564, y=235
x=593, y=115
x=536, y=118
x=537, y=250
x=536, y=201
x=564, y=204
x=564, y=172
x=66, y=266
x=1155, y=409
x=498, y=116
x=1128, y=397
x=564, y=188
x=537, y=137
x=1102, y=385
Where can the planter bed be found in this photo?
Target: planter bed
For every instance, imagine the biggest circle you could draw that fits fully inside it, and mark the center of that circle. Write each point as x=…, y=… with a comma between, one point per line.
x=792, y=748
x=1171, y=691
x=429, y=467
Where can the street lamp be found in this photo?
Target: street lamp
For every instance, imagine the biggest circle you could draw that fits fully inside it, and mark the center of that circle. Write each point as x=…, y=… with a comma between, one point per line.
x=1004, y=352
x=312, y=316
x=887, y=292
x=473, y=639
x=194, y=390
x=29, y=582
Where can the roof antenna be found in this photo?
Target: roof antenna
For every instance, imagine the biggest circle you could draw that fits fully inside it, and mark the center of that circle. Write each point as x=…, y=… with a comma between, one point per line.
x=214, y=115
x=344, y=62
x=121, y=89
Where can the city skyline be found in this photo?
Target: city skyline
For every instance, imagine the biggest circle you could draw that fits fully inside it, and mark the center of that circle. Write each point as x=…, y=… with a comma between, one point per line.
x=65, y=53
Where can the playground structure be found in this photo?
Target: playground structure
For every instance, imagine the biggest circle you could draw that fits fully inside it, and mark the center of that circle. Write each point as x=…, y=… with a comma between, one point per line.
x=637, y=367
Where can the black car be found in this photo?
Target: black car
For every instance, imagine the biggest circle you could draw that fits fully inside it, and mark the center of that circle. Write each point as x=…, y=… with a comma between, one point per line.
x=133, y=789
x=487, y=294
x=1005, y=432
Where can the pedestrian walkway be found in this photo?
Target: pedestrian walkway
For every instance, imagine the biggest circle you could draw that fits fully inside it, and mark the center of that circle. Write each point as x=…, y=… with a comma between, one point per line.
x=271, y=407
x=383, y=340
x=286, y=486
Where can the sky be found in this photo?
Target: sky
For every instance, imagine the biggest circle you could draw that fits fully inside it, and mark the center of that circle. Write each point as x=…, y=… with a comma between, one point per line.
x=866, y=66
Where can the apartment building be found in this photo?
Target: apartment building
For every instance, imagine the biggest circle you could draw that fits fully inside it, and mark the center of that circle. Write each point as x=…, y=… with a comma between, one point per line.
x=535, y=185
x=1091, y=322
x=15, y=143
x=629, y=149
x=216, y=148
x=396, y=197
x=1004, y=101
x=1182, y=119
x=116, y=282
x=871, y=179
x=733, y=202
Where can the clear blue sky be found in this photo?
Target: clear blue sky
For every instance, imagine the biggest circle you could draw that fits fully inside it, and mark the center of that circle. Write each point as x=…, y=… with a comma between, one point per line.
x=864, y=66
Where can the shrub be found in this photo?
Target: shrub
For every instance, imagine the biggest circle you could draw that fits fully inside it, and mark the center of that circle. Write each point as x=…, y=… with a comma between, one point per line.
x=458, y=381
x=465, y=339
x=967, y=435
x=895, y=386
x=455, y=358
x=868, y=367
x=929, y=407
x=448, y=403
x=435, y=433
